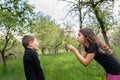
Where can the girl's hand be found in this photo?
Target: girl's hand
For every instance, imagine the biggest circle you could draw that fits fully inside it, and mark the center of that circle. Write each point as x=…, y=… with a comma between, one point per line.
x=71, y=48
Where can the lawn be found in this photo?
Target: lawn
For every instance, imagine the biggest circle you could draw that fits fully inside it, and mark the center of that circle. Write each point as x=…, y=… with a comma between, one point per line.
x=63, y=66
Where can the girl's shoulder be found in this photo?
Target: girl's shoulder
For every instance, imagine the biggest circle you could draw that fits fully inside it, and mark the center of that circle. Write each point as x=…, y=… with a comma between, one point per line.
x=93, y=45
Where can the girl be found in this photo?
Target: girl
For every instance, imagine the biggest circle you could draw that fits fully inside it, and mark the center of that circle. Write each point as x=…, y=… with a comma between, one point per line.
x=96, y=49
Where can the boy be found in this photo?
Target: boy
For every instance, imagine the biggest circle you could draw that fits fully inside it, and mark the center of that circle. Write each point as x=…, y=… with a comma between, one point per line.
x=32, y=68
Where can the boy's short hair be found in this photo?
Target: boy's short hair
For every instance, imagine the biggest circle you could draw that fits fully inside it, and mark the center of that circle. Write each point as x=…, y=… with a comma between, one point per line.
x=26, y=39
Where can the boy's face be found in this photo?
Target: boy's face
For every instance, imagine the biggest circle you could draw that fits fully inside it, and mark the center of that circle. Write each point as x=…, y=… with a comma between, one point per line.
x=34, y=44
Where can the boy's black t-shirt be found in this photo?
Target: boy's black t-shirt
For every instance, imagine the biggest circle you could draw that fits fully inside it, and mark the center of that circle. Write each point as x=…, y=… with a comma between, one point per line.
x=32, y=68
x=108, y=62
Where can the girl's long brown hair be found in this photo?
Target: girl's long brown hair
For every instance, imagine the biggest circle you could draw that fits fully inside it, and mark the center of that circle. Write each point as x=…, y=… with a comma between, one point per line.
x=90, y=37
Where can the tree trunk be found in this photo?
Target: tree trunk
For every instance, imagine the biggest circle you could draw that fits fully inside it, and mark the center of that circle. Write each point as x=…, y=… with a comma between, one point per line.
x=102, y=24
x=105, y=36
x=66, y=48
x=80, y=16
x=3, y=50
x=56, y=45
x=43, y=51
x=3, y=58
x=55, y=51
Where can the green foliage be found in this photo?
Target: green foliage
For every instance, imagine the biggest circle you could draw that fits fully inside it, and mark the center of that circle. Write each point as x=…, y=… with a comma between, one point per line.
x=48, y=33
x=7, y=20
x=18, y=49
x=106, y=13
x=1, y=43
x=72, y=40
x=15, y=15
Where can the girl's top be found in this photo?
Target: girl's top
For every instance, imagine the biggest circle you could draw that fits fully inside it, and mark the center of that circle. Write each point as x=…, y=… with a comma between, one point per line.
x=108, y=62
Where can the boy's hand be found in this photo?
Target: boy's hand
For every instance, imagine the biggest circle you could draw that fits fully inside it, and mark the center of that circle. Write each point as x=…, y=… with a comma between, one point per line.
x=71, y=48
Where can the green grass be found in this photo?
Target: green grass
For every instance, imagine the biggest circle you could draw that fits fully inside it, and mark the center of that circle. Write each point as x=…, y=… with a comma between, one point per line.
x=67, y=67
x=64, y=66
x=13, y=70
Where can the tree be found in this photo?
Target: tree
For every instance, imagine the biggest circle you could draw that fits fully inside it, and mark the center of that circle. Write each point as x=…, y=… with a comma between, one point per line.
x=48, y=33
x=100, y=15
x=15, y=15
x=76, y=10
x=115, y=34
x=99, y=9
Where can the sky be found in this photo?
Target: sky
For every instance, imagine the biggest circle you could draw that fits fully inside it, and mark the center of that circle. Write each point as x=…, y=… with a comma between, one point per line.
x=117, y=7
x=56, y=9
x=53, y=8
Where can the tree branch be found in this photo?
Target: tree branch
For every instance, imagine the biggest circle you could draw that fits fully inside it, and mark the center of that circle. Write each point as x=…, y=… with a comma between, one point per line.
x=68, y=1
x=10, y=46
